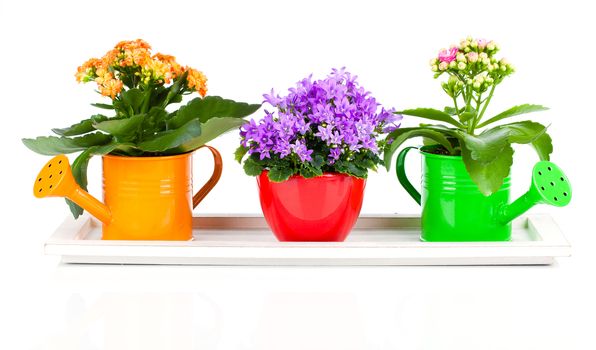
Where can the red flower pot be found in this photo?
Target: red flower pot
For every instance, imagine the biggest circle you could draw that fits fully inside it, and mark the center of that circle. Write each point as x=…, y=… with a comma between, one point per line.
x=324, y=208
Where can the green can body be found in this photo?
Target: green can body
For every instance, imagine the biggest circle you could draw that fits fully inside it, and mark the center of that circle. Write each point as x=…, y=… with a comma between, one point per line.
x=453, y=209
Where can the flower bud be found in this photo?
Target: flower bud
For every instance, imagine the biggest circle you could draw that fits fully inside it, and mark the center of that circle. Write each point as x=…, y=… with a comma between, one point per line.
x=432, y=62
x=461, y=66
x=486, y=61
x=503, y=68
x=434, y=68
x=474, y=44
x=461, y=57
x=472, y=57
x=467, y=49
x=469, y=81
x=463, y=44
x=452, y=64
x=491, y=46
x=483, y=55
x=469, y=38
x=443, y=65
x=476, y=85
x=504, y=62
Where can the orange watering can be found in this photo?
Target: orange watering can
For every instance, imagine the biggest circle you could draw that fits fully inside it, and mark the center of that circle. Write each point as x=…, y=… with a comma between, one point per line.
x=145, y=198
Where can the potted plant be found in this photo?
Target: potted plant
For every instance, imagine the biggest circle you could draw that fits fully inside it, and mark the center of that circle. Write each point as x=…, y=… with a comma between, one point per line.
x=145, y=140
x=466, y=164
x=312, y=154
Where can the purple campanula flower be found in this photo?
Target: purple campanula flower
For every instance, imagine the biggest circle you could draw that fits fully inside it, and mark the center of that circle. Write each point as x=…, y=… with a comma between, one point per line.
x=272, y=99
x=329, y=116
x=334, y=154
x=299, y=147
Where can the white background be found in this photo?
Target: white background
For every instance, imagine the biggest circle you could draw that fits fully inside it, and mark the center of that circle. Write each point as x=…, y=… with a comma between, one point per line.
x=246, y=48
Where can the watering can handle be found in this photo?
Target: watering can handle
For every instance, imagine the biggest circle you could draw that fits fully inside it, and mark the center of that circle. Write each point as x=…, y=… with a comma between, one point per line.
x=208, y=186
x=400, y=170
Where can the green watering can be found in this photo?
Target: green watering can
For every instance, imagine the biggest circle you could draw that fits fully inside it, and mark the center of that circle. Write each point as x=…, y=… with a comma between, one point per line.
x=454, y=210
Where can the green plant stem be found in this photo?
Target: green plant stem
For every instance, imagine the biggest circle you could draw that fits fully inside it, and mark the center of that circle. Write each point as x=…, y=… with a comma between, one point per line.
x=455, y=104
x=472, y=124
x=146, y=101
x=479, y=117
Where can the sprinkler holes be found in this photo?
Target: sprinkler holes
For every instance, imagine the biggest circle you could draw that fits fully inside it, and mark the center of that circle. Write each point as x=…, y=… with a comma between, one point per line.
x=51, y=186
x=38, y=180
x=542, y=188
x=39, y=190
x=556, y=199
x=50, y=176
x=565, y=194
x=540, y=173
x=49, y=165
x=60, y=172
x=59, y=162
x=549, y=168
x=562, y=178
x=552, y=183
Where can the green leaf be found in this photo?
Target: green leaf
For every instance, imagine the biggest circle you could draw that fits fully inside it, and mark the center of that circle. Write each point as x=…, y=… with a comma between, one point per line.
x=450, y=110
x=489, y=144
x=133, y=98
x=530, y=132
x=350, y=168
x=240, y=153
x=513, y=111
x=489, y=176
x=209, y=131
x=81, y=127
x=317, y=161
x=279, y=174
x=252, y=168
x=175, y=89
x=102, y=105
x=433, y=114
x=52, y=145
x=122, y=128
x=79, y=172
x=212, y=107
x=172, y=138
x=465, y=116
x=399, y=136
x=308, y=171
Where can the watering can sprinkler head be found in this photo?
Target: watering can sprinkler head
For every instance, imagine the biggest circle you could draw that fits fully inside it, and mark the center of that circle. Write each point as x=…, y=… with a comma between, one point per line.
x=549, y=186
x=56, y=180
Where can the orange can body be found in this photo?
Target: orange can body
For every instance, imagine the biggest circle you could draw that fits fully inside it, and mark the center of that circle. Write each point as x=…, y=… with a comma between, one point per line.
x=145, y=198
x=150, y=198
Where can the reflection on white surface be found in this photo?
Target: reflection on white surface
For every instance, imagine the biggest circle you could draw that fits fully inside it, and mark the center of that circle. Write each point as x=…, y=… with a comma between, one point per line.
x=192, y=307
x=133, y=321
x=296, y=321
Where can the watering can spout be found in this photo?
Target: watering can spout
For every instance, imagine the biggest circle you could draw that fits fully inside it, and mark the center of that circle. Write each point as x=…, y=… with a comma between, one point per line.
x=549, y=186
x=56, y=180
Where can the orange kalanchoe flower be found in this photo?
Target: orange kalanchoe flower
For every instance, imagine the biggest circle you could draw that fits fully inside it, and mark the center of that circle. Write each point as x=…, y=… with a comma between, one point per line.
x=85, y=71
x=133, y=59
x=111, y=88
x=175, y=68
x=197, y=81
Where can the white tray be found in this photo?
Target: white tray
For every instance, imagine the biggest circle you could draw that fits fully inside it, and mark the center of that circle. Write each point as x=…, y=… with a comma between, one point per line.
x=247, y=240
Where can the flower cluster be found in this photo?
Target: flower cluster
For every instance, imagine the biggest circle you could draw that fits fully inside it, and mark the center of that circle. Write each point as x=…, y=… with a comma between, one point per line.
x=321, y=125
x=473, y=63
x=130, y=63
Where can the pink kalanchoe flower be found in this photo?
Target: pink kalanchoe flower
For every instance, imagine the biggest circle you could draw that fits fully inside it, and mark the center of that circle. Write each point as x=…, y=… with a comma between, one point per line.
x=482, y=43
x=448, y=55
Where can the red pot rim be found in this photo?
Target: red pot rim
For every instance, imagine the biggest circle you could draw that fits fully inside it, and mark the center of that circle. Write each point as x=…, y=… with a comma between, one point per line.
x=324, y=175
